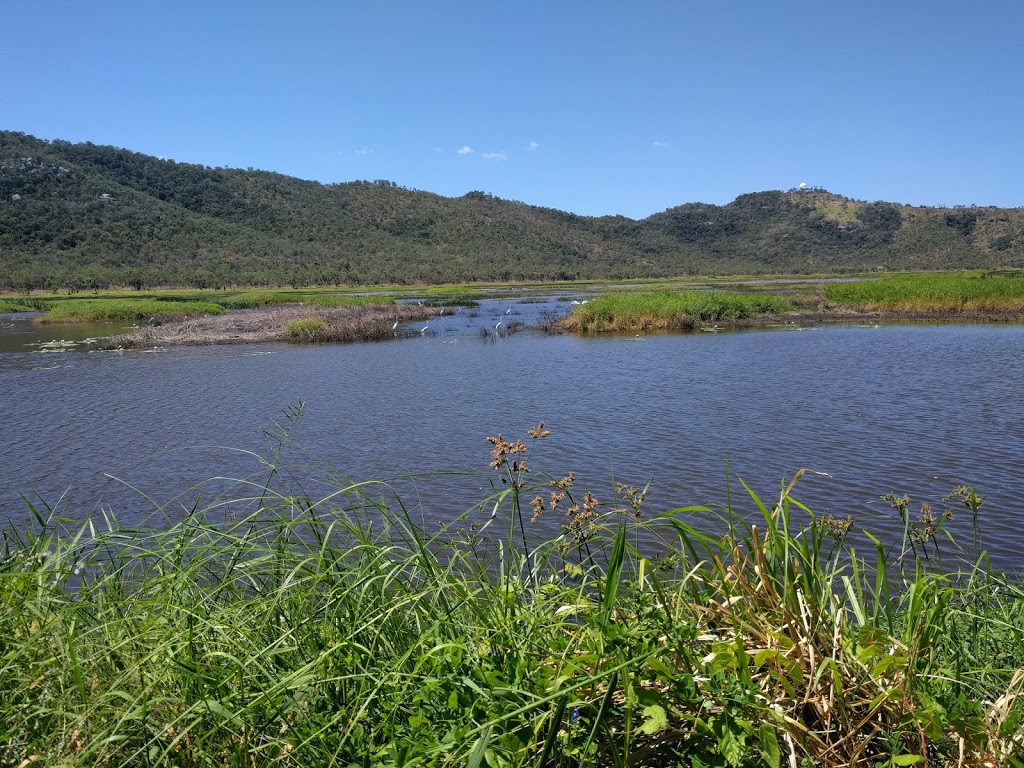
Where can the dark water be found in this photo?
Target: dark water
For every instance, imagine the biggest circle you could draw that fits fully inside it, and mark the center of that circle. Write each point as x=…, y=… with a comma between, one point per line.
x=907, y=408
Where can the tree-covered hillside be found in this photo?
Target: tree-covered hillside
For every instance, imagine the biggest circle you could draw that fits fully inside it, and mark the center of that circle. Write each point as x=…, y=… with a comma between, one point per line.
x=81, y=216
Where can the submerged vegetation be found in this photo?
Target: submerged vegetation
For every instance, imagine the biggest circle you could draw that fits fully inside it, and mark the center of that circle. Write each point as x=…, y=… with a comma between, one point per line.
x=669, y=311
x=279, y=627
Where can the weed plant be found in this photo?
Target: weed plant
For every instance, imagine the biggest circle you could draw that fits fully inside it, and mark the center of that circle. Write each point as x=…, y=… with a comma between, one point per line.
x=670, y=311
x=275, y=626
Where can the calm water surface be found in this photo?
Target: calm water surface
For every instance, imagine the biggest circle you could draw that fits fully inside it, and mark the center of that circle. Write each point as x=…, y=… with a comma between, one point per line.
x=908, y=408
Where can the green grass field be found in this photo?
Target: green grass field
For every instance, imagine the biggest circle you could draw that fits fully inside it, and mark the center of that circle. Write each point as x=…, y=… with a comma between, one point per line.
x=115, y=310
x=954, y=292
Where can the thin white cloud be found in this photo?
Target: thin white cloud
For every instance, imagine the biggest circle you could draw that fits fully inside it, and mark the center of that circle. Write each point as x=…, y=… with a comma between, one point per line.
x=661, y=144
x=494, y=155
x=464, y=151
x=364, y=152
x=533, y=146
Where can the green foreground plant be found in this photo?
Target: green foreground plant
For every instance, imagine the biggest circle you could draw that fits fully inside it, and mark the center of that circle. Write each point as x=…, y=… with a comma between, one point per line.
x=277, y=627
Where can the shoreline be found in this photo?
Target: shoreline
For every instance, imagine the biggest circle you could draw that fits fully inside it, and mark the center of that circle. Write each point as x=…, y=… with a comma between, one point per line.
x=375, y=322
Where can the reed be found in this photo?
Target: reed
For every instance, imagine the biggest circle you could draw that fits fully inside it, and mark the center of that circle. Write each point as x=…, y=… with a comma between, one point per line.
x=275, y=626
x=23, y=304
x=125, y=310
x=632, y=312
x=983, y=293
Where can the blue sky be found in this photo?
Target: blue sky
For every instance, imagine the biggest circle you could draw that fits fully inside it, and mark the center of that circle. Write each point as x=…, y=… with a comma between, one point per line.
x=593, y=107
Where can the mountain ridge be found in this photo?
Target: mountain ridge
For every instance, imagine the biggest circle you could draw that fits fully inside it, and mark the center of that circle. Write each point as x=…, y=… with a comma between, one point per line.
x=81, y=216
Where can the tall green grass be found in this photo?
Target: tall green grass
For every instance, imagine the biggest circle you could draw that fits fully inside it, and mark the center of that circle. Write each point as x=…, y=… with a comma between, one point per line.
x=73, y=310
x=649, y=311
x=933, y=293
x=23, y=304
x=118, y=310
x=255, y=299
x=275, y=626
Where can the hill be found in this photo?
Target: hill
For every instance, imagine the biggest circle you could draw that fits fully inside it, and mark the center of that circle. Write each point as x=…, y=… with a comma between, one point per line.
x=80, y=216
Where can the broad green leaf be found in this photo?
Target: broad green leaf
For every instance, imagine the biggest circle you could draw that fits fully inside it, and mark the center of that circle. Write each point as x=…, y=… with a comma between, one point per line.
x=907, y=759
x=732, y=747
x=769, y=746
x=657, y=720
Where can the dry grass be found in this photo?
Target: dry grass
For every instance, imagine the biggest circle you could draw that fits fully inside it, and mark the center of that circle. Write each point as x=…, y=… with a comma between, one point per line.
x=368, y=322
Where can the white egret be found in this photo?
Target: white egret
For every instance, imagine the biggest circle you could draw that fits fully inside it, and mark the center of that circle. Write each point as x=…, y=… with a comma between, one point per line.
x=424, y=328
x=498, y=325
x=395, y=325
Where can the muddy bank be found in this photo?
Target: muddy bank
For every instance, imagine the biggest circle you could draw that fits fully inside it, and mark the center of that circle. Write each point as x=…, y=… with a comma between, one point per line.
x=368, y=322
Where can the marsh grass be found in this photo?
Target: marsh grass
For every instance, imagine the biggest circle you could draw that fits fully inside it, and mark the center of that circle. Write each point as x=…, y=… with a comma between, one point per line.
x=631, y=312
x=23, y=304
x=938, y=293
x=258, y=299
x=307, y=329
x=277, y=626
x=124, y=310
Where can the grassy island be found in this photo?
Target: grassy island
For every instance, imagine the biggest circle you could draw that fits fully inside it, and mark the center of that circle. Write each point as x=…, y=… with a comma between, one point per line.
x=276, y=628
x=630, y=312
